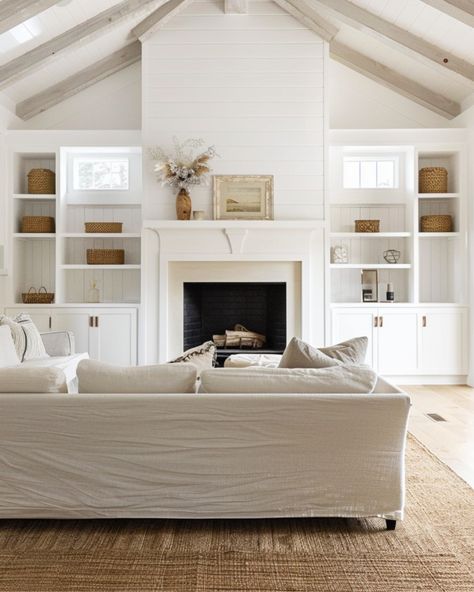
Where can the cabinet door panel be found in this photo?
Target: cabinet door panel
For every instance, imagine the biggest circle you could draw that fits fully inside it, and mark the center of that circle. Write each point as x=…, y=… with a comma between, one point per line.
x=117, y=338
x=397, y=337
x=349, y=323
x=77, y=322
x=443, y=348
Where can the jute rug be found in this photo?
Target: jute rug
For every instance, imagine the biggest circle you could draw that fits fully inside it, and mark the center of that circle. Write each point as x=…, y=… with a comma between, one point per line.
x=431, y=551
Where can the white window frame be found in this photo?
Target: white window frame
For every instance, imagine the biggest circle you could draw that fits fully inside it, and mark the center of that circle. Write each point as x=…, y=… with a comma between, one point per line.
x=93, y=158
x=373, y=158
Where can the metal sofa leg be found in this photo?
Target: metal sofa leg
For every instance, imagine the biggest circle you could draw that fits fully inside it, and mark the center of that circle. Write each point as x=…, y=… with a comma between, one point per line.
x=391, y=524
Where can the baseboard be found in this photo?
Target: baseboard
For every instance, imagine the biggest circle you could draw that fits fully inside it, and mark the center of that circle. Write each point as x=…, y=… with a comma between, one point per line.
x=427, y=379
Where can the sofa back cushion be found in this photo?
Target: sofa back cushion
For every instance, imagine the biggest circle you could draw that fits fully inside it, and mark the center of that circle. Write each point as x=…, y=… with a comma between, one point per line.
x=352, y=351
x=26, y=337
x=299, y=354
x=97, y=377
x=8, y=355
x=337, y=379
x=32, y=380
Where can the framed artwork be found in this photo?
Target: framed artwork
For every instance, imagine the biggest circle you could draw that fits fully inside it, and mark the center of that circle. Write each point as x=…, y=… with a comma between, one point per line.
x=243, y=197
x=370, y=285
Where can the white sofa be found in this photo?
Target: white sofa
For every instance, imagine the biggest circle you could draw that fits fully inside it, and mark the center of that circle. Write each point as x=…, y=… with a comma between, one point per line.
x=203, y=455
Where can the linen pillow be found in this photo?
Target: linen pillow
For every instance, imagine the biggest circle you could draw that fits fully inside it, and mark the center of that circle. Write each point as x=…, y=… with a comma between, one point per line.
x=337, y=379
x=352, y=351
x=203, y=356
x=32, y=380
x=8, y=355
x=299, y=354
x=26, y=337
x=98, y=377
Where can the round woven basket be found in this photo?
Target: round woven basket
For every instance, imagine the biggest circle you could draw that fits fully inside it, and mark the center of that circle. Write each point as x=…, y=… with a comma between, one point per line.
x=37, y=224
x=433, y=180
x=105, y=256
x=42, y=181
x=367, y=225
x=436, y=223
x=104, y=227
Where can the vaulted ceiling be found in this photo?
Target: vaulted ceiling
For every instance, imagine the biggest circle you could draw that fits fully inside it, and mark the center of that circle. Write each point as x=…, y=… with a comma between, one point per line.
x=423, y=49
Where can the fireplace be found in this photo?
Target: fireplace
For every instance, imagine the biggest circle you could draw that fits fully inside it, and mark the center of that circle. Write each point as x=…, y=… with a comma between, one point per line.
x=210, y=308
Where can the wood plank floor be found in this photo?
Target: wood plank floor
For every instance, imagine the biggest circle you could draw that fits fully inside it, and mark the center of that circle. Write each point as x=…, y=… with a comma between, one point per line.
x=451, y=441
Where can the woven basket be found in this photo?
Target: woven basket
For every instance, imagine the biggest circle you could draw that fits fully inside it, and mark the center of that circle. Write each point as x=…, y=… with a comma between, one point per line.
x=103, y=227
x=41, y=181
x=438, y=223
x=105, y=256
x=433, y=180
x=367, y=225
x=42, y=296
x=39, y=224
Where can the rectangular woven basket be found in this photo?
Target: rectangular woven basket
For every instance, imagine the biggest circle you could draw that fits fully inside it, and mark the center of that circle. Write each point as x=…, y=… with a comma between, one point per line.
x=105, y=256
x=436, y=223
x=42, y=181
x=433, y=180
x=37, y=224
x=104, y=227
x=42, y=296
x=367, y=225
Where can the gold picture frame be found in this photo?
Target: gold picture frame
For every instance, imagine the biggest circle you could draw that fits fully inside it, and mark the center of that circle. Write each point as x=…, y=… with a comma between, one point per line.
x=243, y=197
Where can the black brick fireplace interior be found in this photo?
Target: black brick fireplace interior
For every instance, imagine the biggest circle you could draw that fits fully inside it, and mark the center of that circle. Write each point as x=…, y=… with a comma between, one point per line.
x=211, y=308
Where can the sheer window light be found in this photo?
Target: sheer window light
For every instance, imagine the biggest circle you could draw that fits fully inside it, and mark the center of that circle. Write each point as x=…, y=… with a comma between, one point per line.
x=100, y=174
x=370, y=173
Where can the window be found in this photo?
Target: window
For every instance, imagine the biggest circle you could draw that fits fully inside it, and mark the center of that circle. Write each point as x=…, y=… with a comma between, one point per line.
x=100, y=174
x=362, y=172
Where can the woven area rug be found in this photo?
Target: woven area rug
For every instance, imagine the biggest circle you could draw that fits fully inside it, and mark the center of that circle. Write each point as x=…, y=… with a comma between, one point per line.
x=431, y=551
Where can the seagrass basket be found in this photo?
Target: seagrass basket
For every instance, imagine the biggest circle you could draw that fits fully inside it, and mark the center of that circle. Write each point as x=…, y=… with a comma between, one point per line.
x=433, y=180
x=41, y=181
x=436, y=223
x=367, y=225
x=104, y=227
x=37, y=224
x=105, y=256
x=42, y=296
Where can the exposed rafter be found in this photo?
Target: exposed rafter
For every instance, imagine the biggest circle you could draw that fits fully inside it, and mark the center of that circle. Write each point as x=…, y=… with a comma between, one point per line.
x=394, y=80
x=236, y=6
x=96, y=25
x=158, y=18
x=80, y=81
x=14, y=12
x=308, y=17
x=462, y=10
x=367, y=21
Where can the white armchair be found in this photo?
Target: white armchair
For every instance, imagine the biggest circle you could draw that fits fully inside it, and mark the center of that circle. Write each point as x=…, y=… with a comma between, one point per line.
x=59, y=343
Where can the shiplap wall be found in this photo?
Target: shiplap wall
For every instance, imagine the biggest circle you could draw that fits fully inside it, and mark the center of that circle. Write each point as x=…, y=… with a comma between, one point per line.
x=252, y=85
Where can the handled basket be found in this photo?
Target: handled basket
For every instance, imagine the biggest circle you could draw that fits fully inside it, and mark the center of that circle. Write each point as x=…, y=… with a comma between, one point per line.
x=41, y=181
x=104, y=227
x=436, y=223
x=367, y=225
x=433, y=180
x=42, y=296
x=105, y=256
x=37, y=224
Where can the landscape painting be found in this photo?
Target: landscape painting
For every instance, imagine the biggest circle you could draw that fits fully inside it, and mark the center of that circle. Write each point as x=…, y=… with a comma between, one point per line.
x=243, y=197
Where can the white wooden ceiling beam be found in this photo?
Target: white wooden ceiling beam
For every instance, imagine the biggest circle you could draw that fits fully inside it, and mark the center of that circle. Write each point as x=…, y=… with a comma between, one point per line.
x=158, y=18
x=308, y=17
x=14, y=12
x=367, y=21
x=461, y=10
x=79, y=81
x=32, y=60
x=394, y=80
x=236, y=7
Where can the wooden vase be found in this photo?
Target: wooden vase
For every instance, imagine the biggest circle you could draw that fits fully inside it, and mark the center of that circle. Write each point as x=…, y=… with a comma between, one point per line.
x=183, y=205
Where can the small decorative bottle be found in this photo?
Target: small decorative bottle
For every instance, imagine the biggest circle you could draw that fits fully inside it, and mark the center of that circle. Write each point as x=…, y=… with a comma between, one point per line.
x=390, y=293
x=93, y=295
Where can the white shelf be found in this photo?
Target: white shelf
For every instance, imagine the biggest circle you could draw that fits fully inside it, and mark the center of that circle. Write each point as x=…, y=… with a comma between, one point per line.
x=438, y=234
x=370, y=266
x=26, y=235
x=438, y=195
x=369, y=234
x=109, y=204
x=92, y=267
x=34, y=196
x=101, y=235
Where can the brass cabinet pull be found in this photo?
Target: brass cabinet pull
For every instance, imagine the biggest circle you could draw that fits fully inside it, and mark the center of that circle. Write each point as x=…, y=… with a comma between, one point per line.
x=376, y=321
x=423, y=321
x=50, y=322
x=381, y=322
x=96, y=321
x=91, y=321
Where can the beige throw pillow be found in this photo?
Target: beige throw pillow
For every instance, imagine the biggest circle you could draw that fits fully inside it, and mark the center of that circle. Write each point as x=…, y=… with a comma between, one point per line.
x=203, y=356
x=352, y=351
x=299, y=354
x=26, y=337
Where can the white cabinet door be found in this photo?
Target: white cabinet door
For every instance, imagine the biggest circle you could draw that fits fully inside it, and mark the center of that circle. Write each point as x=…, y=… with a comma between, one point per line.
x=78, y=321
x=397, y=341
x=443, y=347
x=40, y=317
x=355, y=322
x=117, y=335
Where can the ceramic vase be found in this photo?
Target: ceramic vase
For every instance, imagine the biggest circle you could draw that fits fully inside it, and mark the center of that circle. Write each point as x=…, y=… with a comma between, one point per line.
x=183, y=205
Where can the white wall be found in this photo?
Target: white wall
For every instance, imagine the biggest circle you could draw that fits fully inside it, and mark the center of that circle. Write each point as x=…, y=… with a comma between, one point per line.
x=250, y=84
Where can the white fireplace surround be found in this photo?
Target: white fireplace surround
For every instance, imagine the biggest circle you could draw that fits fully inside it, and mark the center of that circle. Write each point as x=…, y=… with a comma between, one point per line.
x=174, y=252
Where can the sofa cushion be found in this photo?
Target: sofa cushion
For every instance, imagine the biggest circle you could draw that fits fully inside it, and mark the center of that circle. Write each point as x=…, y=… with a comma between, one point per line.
x=68, y=364
x=26, y=337
x=203, y=356
x=8, y=355
x=32, y=380
x=299, y=354
x=97, y=377
x=337, y=379
x=352, y=351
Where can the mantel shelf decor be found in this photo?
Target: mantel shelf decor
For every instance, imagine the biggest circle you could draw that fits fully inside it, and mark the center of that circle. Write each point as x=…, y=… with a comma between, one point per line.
x=183, y=170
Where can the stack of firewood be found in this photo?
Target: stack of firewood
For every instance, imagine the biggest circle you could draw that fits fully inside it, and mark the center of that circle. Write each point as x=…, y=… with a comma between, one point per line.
x=240, y=338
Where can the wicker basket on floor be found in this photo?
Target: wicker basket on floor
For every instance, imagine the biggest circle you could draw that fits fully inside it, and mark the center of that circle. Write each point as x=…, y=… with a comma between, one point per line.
x=367, y=225
x=42, y=181
x=433, y=180
x=37, y=224
x=436, y=223
x=105, y=227
x=105, y=256
x=42, y=296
